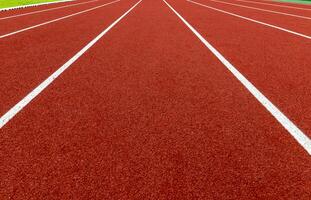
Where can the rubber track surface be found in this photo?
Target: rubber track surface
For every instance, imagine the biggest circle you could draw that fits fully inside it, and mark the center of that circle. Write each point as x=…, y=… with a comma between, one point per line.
x=30, y=57
x=279, y=67
x=148, y=113
x=14, y=24
x=294, y=24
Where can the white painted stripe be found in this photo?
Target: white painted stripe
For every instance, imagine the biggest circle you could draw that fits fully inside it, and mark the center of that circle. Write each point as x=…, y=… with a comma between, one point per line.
x=45, y=10
x=264, y=10
x=55, y=20
x=26, y=100
x=33, y=5
x=253, y=20
x=276, y=5
x=300, y=137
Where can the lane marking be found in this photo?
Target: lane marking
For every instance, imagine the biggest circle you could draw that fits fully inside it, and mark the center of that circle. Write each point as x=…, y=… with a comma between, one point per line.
x=252, y=20
x=33, y=5
x=277, y=5
x=45, y=10
x=264, y=10
x=300, y=137
x=34, y=93
x=55, y=20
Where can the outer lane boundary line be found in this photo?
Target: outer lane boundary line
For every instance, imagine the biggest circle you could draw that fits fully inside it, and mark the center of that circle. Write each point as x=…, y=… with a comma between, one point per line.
x=33, y=5
x=45, y=10
x=34, y=93
x=264, y=10
x=55, y=20
x=252, y=20
x=299, y=136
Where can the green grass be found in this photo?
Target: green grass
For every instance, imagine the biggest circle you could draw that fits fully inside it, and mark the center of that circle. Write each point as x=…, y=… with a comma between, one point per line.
x=13, y=3
x=297, y=1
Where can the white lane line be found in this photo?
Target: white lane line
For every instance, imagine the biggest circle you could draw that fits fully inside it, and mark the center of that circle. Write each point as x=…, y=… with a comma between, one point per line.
x=252, y=20
x=26, y=100
x=276, y=5
x=300, y=137
x=33, y=5
x=55, y=20
x=45, y=10
x=264, y=10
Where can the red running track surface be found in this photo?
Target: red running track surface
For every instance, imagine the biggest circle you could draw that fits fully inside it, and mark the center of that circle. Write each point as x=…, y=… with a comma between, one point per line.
x=276, y=62
x=149, y=112
x=46, y=48
x=299, y=25
x=15, y=24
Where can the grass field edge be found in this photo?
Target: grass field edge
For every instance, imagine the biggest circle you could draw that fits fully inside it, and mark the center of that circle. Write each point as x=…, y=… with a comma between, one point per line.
x=33, y=5
x=305, y=2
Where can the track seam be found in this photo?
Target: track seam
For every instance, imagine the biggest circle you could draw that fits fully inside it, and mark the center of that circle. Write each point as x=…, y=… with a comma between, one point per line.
x=300, y=137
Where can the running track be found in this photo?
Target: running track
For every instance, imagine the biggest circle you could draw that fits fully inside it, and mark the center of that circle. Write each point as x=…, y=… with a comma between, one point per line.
x=148, y=111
